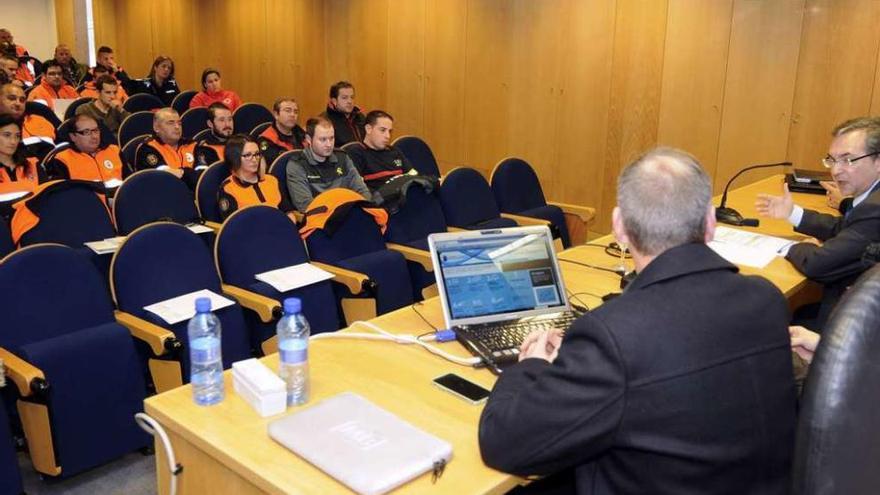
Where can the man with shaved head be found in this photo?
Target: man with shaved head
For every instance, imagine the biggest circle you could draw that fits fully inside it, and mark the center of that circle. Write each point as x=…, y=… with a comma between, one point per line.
x=682, y=384
x=167, y=150
x=73, y=70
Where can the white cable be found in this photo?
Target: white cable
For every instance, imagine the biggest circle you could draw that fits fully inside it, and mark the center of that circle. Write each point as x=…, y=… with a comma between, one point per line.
x=400, y=339
x=153, y=427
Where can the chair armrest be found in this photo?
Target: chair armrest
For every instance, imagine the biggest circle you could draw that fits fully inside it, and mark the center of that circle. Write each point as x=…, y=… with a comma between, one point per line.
x=521, y=220
x=21, y=372
x=585, y=213
x=450, y=228
x=266, y=307
x=160, y=340
x=412, y=254
x=353, y=280
x=215, y=226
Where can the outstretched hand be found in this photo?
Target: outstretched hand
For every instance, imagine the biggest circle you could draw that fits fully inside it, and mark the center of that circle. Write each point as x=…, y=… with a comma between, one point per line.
x=779, y=207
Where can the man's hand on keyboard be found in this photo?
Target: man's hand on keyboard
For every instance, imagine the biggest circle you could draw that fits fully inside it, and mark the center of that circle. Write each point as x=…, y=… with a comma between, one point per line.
x=541, y=344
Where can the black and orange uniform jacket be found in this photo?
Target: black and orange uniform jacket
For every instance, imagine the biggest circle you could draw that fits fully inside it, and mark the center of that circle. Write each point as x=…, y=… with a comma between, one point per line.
x=348, y=128
x=156, y=154
x=27, y=212
x=327, y=211
x=22, y=179
x=104, y=166
x=38, y=135
x=210, y=150
x=235, y=194
x=378, y=166
x=273, y=142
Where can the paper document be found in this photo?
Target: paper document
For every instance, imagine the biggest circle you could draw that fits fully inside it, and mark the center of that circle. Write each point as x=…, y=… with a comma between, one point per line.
x=183, y=307
x=293, y=277
x=106, y=246
x=748, y=248
x=197, y=228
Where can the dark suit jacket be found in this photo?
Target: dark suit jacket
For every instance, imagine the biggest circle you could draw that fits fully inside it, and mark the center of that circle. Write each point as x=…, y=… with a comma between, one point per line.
x=838, y=262
x=681, y=385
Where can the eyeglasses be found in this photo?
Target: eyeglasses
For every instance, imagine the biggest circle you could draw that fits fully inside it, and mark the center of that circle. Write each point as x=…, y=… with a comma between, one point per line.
x=87, y=132
x=250, y=156
x=54, y=74
x=829, y=161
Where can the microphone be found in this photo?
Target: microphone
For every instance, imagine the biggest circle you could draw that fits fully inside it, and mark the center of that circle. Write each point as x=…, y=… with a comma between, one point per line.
x=730, y=216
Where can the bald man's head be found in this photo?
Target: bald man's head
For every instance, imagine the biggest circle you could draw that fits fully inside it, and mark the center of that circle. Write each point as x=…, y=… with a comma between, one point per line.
x=63, y=55
x=166, y=125
x=12, y=99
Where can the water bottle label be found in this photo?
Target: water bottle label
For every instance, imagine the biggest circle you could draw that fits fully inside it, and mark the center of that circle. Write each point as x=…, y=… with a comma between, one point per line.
x=205, y=350
x=294, y=351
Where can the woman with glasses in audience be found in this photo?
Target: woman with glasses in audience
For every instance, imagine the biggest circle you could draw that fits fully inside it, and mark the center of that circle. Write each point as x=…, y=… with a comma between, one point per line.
x=248, y=184
x=213, y=92
x=160, y=83
x=19, y=175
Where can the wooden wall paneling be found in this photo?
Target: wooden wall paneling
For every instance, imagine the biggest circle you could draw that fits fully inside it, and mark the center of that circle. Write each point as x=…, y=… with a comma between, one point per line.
x=838, y=58
x=759, y=90
x=634, y=110
x=445, y=80
x=585, y=85
x=134, y=20
x=694, y=68
x=405, y=98
x=65, y=28
x=244, y=65
x=309, y=57
x=487, y=108
x=875, y=93
x=281, y=53
x=104, y=16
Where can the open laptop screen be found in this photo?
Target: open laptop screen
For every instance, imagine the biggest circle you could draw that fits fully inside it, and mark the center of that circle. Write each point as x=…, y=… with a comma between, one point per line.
x=498, y=274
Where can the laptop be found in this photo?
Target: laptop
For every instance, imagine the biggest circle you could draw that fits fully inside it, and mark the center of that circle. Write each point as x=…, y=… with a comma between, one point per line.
x=496, y=286
x=360, y=444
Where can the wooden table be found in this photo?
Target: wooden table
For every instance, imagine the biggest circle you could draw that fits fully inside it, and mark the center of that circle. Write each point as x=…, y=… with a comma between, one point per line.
x=226, y=448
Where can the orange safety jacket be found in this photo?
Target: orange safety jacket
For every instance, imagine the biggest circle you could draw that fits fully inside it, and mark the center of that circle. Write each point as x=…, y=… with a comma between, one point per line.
x=328, y=209
x=89, y=91
x=235, y=194
x=24, y=219
x=105, y=165
x=37, y=126
x=26, y=178
x=181, y=157
x=49, y=94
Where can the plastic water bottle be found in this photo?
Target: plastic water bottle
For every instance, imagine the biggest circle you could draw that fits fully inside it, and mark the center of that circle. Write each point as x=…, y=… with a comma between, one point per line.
x=293, y=351
x=206, y=365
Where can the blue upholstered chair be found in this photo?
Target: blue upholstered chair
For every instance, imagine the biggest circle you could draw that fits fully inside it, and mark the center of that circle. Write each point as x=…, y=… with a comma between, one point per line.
x=278, y=169
x=70, y=212
x=74, y=367
x=517, y=190
x=193, y=121
x=71, y=110
x=142, y=102
x=468, y=202
x=152, y=195
x=136, y=124
x=180, y=103
x=165, y=260
x=10, y=477
x=419, y=154
x=258, y=239
x=256, y=131
x=203, y=134
x=250, y=115
x=129, y=153
x=6, y=245
x=35, y=108
x=206, y=191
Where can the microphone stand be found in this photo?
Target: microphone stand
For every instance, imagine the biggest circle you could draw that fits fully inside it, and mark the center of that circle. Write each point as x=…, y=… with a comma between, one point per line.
x=732, y=217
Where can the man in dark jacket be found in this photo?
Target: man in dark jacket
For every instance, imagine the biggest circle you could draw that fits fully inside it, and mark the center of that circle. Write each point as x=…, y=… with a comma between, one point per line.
x=682, y=385
x=347, y=119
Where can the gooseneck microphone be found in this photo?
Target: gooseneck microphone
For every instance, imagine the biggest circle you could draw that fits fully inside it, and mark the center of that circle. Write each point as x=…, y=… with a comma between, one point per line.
x=732, y=217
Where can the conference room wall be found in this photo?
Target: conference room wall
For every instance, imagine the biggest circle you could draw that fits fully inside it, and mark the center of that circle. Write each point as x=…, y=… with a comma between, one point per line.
x=576, y=87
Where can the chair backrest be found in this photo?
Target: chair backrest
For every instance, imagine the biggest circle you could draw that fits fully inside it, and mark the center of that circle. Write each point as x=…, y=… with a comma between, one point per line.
x=255, y=133
x=203, y=134
x=250, y=115
x=516, y=186
x=61, y=146
x=278, y=169
x=418, y=216
x=180, y=103
x=71, y=110
x=6, y=245
x=129, y=153
x=467, y=198
x=32, y=107
x=152, y=195
x=419, y=154
x=206, y=191
x=71, y=213
x=350, y=146
x=193, y=121
x=56, y=291
x=136, y=124
x=836, y=447
x=142, y=102
x=357, y=234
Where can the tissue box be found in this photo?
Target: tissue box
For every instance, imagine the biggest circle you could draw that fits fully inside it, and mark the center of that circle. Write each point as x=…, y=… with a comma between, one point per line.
x=259, y=386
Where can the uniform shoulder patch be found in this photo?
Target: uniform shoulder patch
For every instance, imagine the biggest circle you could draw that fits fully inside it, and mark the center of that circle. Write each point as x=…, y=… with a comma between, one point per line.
x=152, y=159
x=339, y=171
x=264, y=145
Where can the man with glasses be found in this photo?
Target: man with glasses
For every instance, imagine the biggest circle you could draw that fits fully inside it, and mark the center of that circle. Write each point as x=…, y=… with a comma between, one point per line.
x=86, y=158
x=835, y=259
x=106, y=108
x=53, y=86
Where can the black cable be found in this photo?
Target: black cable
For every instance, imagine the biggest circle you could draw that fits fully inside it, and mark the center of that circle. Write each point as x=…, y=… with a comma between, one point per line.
x=602, y=268
x=413, y=306
x=612, y=249
x=574, y=295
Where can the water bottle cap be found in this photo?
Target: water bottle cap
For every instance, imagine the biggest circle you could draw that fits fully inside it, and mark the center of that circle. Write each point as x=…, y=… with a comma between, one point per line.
x=292, y=305
x=203, y=305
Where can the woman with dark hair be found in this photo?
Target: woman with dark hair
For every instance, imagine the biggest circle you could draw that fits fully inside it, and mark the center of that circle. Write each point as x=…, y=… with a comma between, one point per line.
x=19, y=175
x=213, y=92
x=248, y=184
x=160, y=83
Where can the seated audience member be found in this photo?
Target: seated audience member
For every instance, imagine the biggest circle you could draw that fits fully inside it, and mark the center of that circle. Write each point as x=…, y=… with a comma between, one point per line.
x=682, y=384
x=106, y=109
x=52, y=86
x=213, y=92
x=73, y=71
x=38, y=134
x=23, y=72
x=248, y=184
x=9, y=65
x=377, y=161
x=86, y=158
x=284, y=134
x=7, y=38
x=160, y=82
x=210, y=149
x=90, y=89
x=347, y=119
x=107, y=59
x=18, y=173
x=320, y=168
x=167, y=150
x=835, y=259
